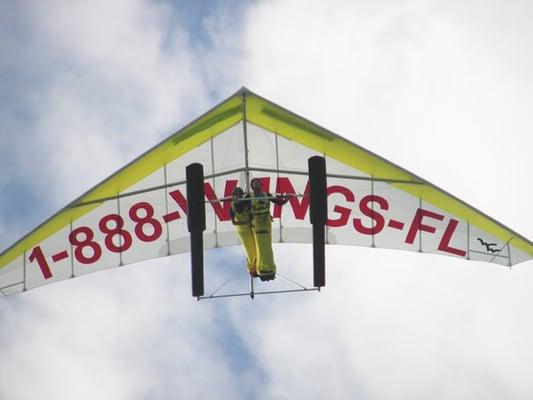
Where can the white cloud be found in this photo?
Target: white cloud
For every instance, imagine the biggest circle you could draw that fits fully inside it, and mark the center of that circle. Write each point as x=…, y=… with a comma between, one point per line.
x=441, y=93
x=442, y=89
x=120, y=334
x=118, y=78
x=113, y=79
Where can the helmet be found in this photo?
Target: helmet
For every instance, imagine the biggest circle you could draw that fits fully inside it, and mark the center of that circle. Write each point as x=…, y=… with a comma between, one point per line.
x=238, y=192
x=256, y=184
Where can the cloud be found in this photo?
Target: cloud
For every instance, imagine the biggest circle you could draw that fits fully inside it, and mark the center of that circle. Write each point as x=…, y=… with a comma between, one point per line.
x=442, y=89
x=433, y=89
x=116, y=79
x=423, y=85
x=120, y=334
x=110, y=80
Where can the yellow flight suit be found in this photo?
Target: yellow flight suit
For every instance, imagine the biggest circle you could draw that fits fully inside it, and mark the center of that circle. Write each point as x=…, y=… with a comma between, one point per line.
x=262, y=229
x=242, y=219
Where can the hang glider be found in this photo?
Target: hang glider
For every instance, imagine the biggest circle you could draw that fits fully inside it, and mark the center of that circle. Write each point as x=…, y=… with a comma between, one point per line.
x=140, y=212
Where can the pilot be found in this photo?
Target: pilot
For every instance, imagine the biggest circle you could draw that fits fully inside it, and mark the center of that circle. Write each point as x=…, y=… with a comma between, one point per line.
x=262, y=228
x=241, y=217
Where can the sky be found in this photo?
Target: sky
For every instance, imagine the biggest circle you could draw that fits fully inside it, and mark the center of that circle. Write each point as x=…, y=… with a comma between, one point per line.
x=442, y=88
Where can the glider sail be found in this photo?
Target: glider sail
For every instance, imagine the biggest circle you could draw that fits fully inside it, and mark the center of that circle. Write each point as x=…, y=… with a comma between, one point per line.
x=140, y=212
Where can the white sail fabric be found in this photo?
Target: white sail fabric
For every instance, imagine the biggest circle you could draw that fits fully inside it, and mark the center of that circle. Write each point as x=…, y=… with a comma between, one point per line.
x=145, y=217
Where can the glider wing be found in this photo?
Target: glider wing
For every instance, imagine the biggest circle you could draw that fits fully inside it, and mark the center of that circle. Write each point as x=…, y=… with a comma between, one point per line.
x=139, y=212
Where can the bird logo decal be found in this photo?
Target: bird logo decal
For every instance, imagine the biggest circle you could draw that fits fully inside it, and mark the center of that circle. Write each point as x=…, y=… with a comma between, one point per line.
x=489, y=246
